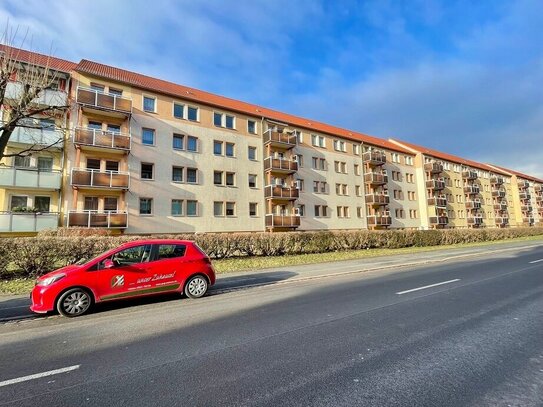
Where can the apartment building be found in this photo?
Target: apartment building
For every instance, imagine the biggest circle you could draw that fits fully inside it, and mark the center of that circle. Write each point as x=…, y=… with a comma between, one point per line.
x=139, y=155
x=30, y=186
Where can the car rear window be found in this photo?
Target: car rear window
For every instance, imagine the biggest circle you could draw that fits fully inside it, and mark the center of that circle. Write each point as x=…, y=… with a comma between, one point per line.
x=171, y=251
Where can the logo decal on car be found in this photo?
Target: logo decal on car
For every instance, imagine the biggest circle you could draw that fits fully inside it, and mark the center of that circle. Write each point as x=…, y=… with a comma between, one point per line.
x=117, y=281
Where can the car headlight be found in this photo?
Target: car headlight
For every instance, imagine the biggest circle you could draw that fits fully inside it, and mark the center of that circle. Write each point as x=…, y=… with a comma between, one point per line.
x=50, y=280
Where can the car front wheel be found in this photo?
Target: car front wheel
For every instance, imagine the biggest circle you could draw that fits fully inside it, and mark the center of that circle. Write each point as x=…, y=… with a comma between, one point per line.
x=196, y=287
x=74, y=302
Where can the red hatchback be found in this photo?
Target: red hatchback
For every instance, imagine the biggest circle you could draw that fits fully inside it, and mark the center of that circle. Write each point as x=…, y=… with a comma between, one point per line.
x=138, y=268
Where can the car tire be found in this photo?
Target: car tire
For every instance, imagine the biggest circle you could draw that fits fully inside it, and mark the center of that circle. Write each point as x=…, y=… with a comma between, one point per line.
x=74, y=302
x=196, y=286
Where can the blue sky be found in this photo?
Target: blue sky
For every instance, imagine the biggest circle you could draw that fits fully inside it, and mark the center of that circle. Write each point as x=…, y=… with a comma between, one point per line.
x=464, y=77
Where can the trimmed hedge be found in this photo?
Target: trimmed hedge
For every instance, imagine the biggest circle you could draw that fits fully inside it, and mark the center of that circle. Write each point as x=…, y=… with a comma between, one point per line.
x=33, y=256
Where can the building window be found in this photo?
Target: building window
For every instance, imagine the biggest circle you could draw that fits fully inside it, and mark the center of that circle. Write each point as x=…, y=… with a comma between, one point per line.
x=251, y=126
x=300, y=185
x=90, y=203
x=217, y=147
x=42, y=203
x=321, y=211
x=192, y=143
x=112, y=166
x=147, y=170
x=217, y=177
x=149, y=104
x=218, y=208
x=413, y=213
x=110, y=203
x=177, y=174
x=340, y=146
x=318, y=141
x=395, y=157
x=192, y=208
x=411, y=195
x=45, y=164
x=359, y=213
x=230, y=209
x=178, y=111
x=408, y=160
x=299, y=158
x=252, y=180
x=177, y=207
x=358, y=190
x=356, y=149
x=148, y=136
x=92, y=163
x=229, y=149
x=299, y=136
x=253, y=209
x=217, y=119
x=224, y=120
x=192, y=175
x=342, y=212
x=251, y=152
x=319, y=163
x=229, y=122
x=301, y=210
x=178, y=141
x=230, y=179
x=340, y=167
x=146, y=206
x=192, y=114
x=356, y=169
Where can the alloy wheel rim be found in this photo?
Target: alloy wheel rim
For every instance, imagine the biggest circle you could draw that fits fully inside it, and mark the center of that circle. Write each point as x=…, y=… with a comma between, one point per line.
x=76, y=303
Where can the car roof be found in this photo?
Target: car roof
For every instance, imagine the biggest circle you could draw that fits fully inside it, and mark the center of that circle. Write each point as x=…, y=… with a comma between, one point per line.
x=157, y=241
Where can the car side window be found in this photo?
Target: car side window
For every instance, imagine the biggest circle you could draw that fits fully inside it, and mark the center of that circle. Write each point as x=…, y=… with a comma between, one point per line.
x=132, y=255
x=171, y=251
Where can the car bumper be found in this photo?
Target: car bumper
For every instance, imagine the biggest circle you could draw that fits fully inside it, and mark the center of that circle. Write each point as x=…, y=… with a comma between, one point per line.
x=41, y=302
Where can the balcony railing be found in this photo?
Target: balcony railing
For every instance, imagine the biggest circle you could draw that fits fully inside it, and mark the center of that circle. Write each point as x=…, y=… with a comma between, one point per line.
x=472, y=189
x=28, y=222
x=475, y=204
x=440, y=202
x=502, y=220
x=523, y=184
x=47, y=97
x=101, y=138
x=282, y=221
x=280, y=192
x=502, y=206
x=280, y=165
x=278, y=139
x=538, y=188
x=95, y=98
x=376, y=178
x=96, y=219
x=29, y=178
x=525, y=195
x=439, y=220
x=374, y=158
x=379, y=220
x=475, y=220
x=377, y=199
x=435, y=184
x=469, y=174
x=433, y=167
x=498, y=194
x=528, y=219
x=526, y=208
x=82, y=177
x=37, y=136
x=497, y=180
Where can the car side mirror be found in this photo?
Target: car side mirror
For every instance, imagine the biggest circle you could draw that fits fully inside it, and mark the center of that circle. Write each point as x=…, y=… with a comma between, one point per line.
x=108, y=263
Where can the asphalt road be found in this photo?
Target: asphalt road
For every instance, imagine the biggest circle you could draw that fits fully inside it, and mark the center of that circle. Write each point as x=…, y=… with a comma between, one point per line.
x=461, y=333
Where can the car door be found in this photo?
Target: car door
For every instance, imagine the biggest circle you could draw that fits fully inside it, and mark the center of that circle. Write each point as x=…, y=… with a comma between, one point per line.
x=166, y=269
x=129, y=276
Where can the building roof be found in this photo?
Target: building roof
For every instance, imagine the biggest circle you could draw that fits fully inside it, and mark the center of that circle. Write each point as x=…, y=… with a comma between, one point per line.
x=172, y=89
x=518, y=174
x=35, y=58
x=449, y=157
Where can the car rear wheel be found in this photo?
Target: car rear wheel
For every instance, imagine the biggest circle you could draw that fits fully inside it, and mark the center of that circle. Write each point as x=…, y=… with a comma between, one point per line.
x=74, y=302
x=196, y=287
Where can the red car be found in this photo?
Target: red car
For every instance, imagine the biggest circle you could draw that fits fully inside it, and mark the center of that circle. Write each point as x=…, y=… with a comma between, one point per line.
x=134, y=269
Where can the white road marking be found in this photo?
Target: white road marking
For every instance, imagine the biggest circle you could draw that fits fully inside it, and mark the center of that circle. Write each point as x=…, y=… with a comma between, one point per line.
x=536, y=261
x=427, y=286
x=38, y=375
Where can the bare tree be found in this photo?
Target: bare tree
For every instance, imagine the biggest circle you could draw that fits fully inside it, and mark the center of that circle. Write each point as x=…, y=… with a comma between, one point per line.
x=25, y=78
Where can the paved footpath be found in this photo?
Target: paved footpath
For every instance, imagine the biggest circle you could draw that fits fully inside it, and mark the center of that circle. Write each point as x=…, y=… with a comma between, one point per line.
x=15, y=307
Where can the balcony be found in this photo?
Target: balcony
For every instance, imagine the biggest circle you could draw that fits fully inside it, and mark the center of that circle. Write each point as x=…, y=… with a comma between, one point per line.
x=102, y=139
x=377, y=199
x=48, y=97
x=82, y=177
x=376, y=178
x=282, y=221
x=28, y=222
x=439, y=220
x=95, y=219
x=501, y=206
x=439, y=201
x=280, y=165
x=379, y=220
x=37, y=136
x=29, y=178
x=538, y=188
x=501, y=220
x=523, y=184
x=433, y=167
x=475, y=220
x=539, y=199
x=498, y=194
x=103, y=101
x=469, y=174
x=280, y=140
x=524, y=195
x=435, y=184
x=472, y=189
x=475, y=204
x=494, y=180
x=528, y=220
x=526, y=208
x=280, y=192
x=374, y=158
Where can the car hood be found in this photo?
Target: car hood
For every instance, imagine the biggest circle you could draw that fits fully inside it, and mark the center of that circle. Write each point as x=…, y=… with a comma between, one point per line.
x=63, y=270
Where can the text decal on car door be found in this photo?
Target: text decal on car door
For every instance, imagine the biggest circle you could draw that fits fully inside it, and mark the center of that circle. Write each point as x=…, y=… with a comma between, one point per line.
x=117, y=281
